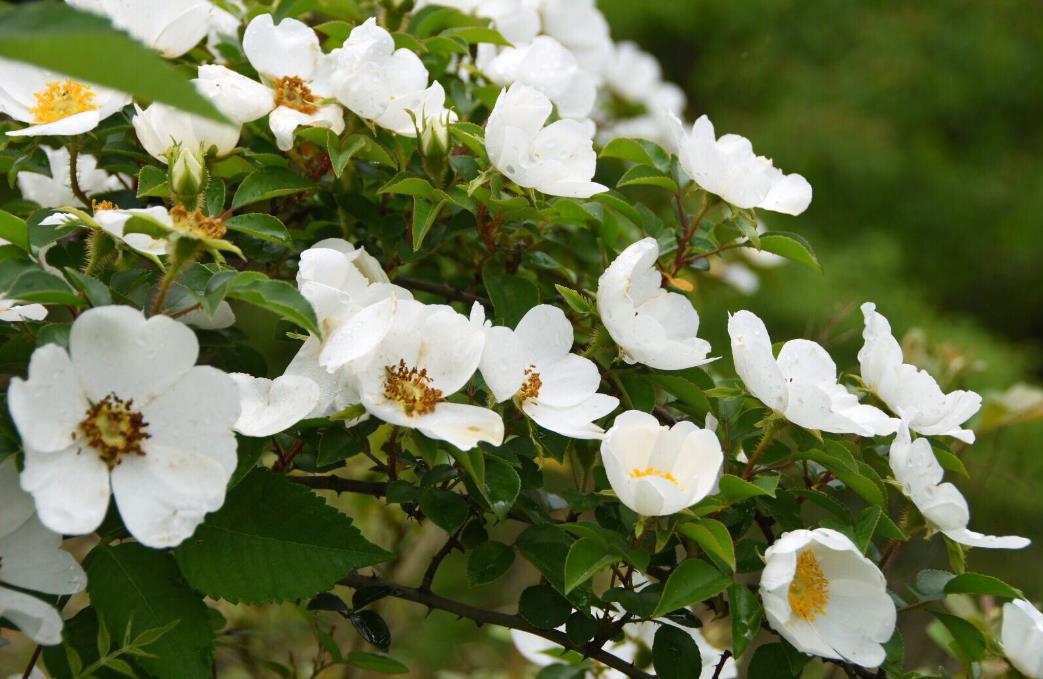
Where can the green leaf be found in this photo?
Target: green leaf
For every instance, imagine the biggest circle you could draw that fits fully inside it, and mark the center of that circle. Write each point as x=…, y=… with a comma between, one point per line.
x=586, y=558
x=692, y=581
x=688, y=392
x=791, y=246
x=278, y=297
x=546, y=547
x=376, y=662
x=770, y=662
x=544, y=607
x=969, y=639
x=512, y=296
x=488, y=561
x=502, y=485
x=746, y=615
x=986, y=585
x=14, y=230
x=865, y=528
x=341, y=152
x=96, y=292
x=215, y=197
x=424, y=216
x=273, y=540
x=372, y=628
x=153, y=182
x=261, y=225
x=577, y=301
x=675, y=654
x=268, y=183
x=86, y=47
x=447, y=509
x=643, y=175
x=736, y=489
x=714, y=538
x=637, y=151
x=138, y=588
x=409, y=185
x=42, y=287
x=477, y=34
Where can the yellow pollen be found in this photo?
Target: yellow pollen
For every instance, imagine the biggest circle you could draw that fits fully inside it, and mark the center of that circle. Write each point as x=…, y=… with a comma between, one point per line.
x=652, y=471
x=809, y=590
x=294, y=93
x=62, y=99
x=530, y=389
x=102, y=205
x=196, y=224
x=412, y=388
x=113, y=428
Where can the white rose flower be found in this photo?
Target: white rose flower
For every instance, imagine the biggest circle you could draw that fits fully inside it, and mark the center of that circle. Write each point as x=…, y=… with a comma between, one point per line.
x=729, y=168
x=369, y=74
x=241, y=99
x=1022, y=637
x=291, y=62
x=580, y=26
x=12, y=310
x=31, y=558
x=223, y=317
x=558, y=159
x=53, y=104
x=125, y=411
x=533, y=365
x=341, y=282
x=633, y=73
x=113, y=221
x=273, y=406
x=546, y=65
x=651, y=325
x=417, y=111
x=56, y=190
x=427, y=354
x=666, y=102
x=164, y=130
x=801, y=384
x=909, y=392
x=171, y=27
x=657, y=470
x=827, y=599
x=943, y=506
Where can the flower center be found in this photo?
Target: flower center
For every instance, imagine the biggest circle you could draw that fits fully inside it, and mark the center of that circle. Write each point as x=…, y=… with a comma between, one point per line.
x=196, y=224
x=114, y=429
x=530, y=388
x=294, y=93
x=102, y=205
x=62, y=99
x=412, y=388
x=652, y=471
x=809, y=590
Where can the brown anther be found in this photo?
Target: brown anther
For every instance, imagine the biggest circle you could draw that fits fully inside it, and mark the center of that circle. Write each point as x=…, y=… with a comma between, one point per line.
x=113, y=429
x=195, y=223
x=530, y=388
x=412, y=388
x=293, y=92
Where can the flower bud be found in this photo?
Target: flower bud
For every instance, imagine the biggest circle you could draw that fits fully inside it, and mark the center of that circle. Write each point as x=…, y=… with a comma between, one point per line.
x=434, y=137
x=188, y=174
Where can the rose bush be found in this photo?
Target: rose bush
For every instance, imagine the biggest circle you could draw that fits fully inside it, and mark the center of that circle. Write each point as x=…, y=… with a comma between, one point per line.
x=443, y=256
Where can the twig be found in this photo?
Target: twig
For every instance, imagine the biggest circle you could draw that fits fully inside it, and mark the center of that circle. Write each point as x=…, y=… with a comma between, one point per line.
x=483, y=616
x=32, y=662
x=755, y=456
x=443, y=291
x=340, y=485
x=854, y=670
x=720, y=664
x=436, y=561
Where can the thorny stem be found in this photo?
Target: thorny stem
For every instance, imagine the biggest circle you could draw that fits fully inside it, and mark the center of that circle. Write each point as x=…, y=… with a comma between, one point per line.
x=442, y=290
x=342, y=485
x=74, y=176
x=689, y=227
x=436, y=561
x=483, y=616
x=720, y=664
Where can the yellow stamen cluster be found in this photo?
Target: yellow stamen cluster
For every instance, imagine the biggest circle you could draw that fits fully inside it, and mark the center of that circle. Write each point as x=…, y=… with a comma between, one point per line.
x=809, y=590
x=652, y=471
x=102, y=205
x=114, y=429
x=530, y=388
x=62, y=99
x=197, y=224
x=294, y=93
x=412, y=388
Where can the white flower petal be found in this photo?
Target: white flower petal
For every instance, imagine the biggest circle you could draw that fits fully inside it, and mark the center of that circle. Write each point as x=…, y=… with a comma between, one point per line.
x=33, y=559
x=754, y=361
x=503, y=363
x=71, y=125
x=70, y=488
x=1022, y=637
x=273, y=406
x=284, y=122
x=36, y=618
x=289, y=48
x=575, y=421
x=48, y=407
x=464, y=426
x=238, y=97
